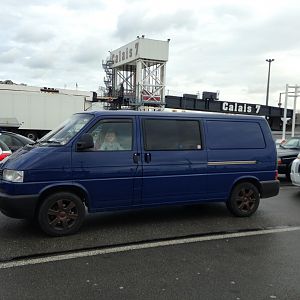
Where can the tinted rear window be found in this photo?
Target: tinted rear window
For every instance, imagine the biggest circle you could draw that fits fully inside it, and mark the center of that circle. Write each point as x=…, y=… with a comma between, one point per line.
x=171, y=134
x=234, y=135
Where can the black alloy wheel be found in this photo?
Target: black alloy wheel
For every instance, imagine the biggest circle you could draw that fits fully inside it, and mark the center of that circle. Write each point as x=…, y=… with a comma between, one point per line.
x=61, y=214
x=244, y=200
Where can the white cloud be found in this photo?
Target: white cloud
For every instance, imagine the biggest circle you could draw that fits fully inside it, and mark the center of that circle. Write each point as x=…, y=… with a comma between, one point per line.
x=215, y=45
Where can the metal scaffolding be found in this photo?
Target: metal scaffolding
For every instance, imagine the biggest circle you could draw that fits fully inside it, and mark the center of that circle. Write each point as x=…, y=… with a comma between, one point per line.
x=136, y=74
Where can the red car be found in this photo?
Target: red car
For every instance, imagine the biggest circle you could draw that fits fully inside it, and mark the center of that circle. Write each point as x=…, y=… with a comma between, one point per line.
x=4, y=150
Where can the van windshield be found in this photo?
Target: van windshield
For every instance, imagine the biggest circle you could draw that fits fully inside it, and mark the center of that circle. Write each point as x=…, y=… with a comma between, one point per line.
x=67, y=130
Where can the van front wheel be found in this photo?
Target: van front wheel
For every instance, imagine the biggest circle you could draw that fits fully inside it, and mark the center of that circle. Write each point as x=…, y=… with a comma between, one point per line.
x=61, y=214
x=244, y=200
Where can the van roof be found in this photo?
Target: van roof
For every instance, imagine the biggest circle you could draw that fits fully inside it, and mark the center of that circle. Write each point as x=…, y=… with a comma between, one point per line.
x=173, y=114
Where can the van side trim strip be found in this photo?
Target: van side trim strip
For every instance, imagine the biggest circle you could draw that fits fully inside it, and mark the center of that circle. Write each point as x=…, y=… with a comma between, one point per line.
x=231, y=162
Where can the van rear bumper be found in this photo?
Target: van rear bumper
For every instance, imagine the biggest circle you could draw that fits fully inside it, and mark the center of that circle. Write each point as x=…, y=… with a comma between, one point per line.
x=269, y=188
x=18, y=206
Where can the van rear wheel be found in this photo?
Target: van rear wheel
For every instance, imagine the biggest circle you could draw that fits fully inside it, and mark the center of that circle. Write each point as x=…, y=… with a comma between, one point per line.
x=244, y=200
x=61, y=214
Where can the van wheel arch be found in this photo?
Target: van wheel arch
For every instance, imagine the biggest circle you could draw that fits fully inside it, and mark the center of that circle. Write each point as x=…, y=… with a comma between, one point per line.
x=68, y=189
x=250, y=180
x=244, y=198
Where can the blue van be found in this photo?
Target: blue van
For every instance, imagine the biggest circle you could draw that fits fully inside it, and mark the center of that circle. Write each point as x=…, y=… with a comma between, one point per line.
x=113, y=160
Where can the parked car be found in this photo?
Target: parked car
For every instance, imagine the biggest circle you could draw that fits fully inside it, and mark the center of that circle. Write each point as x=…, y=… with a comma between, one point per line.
x=286, y=153
x=4, y=151
x=279, y=142
x=13, y=140
x=295, y=171
x=153, y=159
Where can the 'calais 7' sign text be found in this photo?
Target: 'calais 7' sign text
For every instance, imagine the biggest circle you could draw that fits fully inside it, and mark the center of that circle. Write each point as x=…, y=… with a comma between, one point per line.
x=241, y=107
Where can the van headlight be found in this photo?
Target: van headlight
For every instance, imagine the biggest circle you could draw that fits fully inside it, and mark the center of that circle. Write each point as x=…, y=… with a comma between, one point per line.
x=13, y=175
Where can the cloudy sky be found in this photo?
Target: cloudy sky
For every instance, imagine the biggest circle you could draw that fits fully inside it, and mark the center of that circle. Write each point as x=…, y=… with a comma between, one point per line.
x=216, y=45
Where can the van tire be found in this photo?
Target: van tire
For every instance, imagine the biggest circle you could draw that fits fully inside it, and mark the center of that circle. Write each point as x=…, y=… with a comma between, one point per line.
x=61, y=214
x=244, y=200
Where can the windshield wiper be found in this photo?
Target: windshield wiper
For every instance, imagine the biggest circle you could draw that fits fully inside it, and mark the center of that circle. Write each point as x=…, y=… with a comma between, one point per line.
x=34, y=142
x=50, y=142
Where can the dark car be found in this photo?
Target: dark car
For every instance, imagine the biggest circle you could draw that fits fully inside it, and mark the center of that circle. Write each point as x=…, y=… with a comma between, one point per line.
x=13, y=140
x=286, y=153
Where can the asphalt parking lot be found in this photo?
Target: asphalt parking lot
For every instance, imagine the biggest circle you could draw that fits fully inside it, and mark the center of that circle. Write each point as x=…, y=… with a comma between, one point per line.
x=185, y=252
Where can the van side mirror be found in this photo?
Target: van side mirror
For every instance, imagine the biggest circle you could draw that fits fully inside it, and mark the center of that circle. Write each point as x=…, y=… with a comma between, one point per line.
x=85, y=142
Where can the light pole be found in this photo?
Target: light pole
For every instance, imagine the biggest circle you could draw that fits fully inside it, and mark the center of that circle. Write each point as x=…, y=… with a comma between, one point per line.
x=268, y=84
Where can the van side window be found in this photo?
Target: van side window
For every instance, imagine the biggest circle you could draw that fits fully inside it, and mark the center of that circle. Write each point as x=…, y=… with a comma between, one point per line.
x=112, y=135
x=234, y=135
x=171, y=134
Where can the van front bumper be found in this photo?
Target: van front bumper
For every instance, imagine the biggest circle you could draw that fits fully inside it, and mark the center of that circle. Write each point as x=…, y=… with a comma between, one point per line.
x=18, y=206
x=269, y=188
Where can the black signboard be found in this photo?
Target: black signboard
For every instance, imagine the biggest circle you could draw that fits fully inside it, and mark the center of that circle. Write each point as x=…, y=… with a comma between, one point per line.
x=225, y=107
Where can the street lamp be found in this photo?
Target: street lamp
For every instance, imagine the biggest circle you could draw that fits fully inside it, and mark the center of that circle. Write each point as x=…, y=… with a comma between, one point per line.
x=268, y=84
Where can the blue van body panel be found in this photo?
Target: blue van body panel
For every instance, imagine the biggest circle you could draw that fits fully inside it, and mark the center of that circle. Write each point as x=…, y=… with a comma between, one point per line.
x=114, y=180
x=165, y=176
x=42, y=163
x=238, y=149
x=109, y=176
x=173, y=176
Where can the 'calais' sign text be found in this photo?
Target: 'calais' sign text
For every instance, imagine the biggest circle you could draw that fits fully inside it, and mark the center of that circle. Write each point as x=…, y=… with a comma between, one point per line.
x=240, y=107
x=125, y=54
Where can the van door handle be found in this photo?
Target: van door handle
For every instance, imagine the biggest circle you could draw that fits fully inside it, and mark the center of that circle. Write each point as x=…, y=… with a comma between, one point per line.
x=147, y=157
x=136, y=158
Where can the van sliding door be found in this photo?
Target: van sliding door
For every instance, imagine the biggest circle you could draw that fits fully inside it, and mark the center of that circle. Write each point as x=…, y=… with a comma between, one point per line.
x=174, y=162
